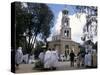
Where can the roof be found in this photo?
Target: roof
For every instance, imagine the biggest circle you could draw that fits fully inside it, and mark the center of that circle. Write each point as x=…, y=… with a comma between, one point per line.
x=63, y=40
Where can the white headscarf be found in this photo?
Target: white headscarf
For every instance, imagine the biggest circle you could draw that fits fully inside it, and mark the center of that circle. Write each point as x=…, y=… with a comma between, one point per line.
x=20, y=49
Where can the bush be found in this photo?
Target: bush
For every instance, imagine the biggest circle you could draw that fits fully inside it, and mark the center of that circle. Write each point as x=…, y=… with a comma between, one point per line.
x=38, y=64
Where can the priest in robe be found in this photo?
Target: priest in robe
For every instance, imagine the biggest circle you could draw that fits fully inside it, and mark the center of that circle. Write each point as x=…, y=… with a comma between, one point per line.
x=18, y=57
x=88, y=59
x=54, y=59
x=47, y=59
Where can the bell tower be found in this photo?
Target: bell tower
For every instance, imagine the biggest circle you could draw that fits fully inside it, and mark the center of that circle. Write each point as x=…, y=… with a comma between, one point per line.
x=65, y=27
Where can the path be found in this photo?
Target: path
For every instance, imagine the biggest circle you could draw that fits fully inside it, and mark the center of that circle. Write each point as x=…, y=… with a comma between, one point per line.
x=26, y=68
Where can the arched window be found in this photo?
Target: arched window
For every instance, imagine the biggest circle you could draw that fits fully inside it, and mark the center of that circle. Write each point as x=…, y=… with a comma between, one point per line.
x=67, y=49
x=67, y=33
x=67, y=23
x=66, y=46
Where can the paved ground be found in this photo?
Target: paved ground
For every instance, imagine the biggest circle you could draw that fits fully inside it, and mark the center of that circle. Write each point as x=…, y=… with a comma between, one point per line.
x=26, y=68
x=66, y=66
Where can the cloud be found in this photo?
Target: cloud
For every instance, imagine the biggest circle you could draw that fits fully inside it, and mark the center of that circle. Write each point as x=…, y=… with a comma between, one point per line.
x=56, y=29
x=58, y=24
x=76, y=25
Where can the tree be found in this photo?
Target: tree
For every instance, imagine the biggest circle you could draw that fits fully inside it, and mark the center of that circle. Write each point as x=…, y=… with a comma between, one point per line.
x=33, y=19
x=39, y=48
x=42, y=21
x=90, y=28
x=20, y=24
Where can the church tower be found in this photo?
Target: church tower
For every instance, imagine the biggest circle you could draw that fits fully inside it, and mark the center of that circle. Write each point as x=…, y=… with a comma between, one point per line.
x=65, y=26
x=63, y=42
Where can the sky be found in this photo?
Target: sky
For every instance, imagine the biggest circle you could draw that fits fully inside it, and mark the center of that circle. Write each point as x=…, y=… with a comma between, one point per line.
x=76, y=24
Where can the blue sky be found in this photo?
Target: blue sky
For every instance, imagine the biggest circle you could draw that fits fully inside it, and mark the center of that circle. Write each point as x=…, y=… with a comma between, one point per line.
x=56, y=8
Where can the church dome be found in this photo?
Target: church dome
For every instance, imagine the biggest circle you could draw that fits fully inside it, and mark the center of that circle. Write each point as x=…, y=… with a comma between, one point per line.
x=65, y=11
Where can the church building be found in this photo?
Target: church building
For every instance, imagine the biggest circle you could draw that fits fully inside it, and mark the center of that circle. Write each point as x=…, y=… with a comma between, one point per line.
x=63, y=42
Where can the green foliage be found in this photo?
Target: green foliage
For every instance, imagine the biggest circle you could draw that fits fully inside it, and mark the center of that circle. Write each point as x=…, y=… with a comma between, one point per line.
x=38, y=48
x=39, y=65
x=42, y=20
x=89, y=29
x=32, y=19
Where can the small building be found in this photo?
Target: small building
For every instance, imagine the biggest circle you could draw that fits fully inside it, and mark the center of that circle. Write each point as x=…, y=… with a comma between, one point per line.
x=63, y=42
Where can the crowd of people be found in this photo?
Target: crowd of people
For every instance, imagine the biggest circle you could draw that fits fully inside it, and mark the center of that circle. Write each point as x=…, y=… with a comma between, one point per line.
x=50, y=58
x=82, y=59
x=22, y=58
x=87, y=59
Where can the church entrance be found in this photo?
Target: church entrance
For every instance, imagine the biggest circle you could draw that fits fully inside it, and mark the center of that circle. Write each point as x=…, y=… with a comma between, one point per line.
x=66, y=50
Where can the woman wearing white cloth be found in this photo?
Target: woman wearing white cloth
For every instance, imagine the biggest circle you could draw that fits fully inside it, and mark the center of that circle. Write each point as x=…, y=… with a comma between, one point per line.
x=54, y=59
x=18, y=57
x=47, y=60
x=88, y=60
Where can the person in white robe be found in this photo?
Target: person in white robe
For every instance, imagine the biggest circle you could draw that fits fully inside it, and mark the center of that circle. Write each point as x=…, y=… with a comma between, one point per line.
x=47, y=59
x=88, y=59
x=54, y=58
x=18, y=57
x=25, y=58
x=31, y=59
x=79, y=59
x=41, y=56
